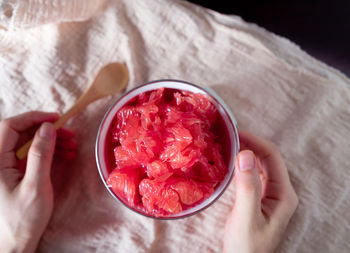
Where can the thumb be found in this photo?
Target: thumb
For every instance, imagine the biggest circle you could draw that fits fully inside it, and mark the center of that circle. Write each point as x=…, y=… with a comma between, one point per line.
x=40, y=154
x=248, y=184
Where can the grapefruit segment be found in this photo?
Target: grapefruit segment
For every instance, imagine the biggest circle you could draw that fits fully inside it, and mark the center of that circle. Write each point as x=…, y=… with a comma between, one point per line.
x=125, y=185
x=188, y=191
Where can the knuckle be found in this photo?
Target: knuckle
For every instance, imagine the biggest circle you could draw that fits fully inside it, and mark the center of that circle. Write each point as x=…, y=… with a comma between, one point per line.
x=249, y=189
x=274, y=148
x=40, y=150
x=292, y=201
x=30, y=186
x=295, y=200
x=8, y=160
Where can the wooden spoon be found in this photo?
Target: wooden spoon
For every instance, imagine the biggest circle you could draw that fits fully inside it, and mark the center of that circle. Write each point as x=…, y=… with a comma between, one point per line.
x=111, y=79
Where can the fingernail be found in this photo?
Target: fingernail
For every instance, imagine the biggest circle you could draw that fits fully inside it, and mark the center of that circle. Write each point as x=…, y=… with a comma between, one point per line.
x=47, y=130
x=246, y=160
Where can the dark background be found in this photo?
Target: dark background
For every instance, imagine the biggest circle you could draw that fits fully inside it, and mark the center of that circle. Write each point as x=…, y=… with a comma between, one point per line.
x=320, y=27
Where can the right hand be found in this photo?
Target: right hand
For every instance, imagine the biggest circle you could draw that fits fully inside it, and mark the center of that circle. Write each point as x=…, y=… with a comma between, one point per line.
x=265, y=198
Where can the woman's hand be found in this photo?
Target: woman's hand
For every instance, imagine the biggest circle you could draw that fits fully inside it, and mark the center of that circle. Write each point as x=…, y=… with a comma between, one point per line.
x=26, y=196
x=265, y=198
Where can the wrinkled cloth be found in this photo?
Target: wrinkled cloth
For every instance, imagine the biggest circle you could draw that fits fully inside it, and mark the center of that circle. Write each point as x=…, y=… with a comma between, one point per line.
x=50, y=51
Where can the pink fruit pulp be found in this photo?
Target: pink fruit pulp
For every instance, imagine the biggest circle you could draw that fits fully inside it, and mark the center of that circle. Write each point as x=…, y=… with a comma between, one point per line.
x=167, y=151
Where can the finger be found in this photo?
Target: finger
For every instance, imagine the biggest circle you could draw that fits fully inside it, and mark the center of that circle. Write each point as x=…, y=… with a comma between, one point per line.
x=40, y=155
x=281, y=212
x=248, y=185
x=28, y=119
x=269, y=155
x=9, y=139
x=261, y=146
x=11, y=126
x=8, y=160
x=64, y=133
x=278, y=188
x=65, y=155
x=66, y=144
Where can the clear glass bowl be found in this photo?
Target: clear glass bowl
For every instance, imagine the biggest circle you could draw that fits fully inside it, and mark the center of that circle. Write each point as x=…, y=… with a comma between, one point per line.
x=227, y=117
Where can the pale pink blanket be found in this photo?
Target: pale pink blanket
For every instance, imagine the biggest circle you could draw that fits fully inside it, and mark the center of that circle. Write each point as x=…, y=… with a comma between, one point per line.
x=51, y=50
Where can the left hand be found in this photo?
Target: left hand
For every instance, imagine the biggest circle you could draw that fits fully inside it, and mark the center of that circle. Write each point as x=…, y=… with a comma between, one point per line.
x=26, y=196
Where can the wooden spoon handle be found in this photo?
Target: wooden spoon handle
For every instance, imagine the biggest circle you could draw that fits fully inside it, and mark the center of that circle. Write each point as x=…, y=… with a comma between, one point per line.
x=88, y=97
x=23, y=151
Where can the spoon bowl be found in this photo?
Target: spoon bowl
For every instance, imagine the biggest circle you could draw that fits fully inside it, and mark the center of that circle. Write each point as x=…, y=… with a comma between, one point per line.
x=112, y=78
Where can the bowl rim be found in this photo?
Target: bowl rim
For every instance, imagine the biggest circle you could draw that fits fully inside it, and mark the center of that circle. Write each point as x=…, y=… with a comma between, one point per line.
x=235, y=148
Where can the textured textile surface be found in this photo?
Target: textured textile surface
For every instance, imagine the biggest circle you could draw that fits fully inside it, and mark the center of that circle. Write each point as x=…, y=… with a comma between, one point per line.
x=51, y=50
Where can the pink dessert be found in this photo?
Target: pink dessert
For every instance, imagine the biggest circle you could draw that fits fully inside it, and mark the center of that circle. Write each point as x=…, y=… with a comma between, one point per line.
x=165, y=151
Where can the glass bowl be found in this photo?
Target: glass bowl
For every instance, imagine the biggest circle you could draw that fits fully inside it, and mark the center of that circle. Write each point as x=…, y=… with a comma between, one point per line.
x=231, y=148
